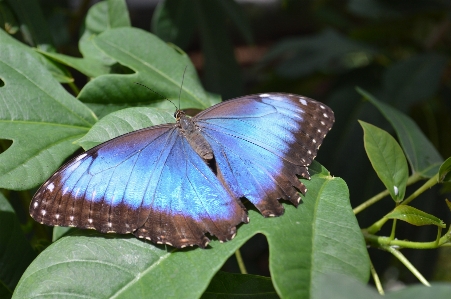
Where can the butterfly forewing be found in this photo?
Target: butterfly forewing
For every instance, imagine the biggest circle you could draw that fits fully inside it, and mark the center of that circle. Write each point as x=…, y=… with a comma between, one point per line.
x=159, y=184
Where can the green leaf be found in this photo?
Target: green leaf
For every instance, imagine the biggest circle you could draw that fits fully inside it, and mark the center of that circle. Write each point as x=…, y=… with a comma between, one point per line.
x=174, y=21
x=107, y=15
x=387, y=158
x=156, y=65
x=124, y=121
x=436, y=290
x=33, y=25
x=448, y=203
x=235, y=13
x=39, y=116
x=328, y=51
x=304, y=243
x=87, y=66
x=60, y=231
x=58, y=72
x=221, y=71
x=414, y=216
x=424, y=159
x=414, y=79
x=7, y=19
x=101, y=17
x=15, y=251
x=444, y=173
x=232, y=285
x=339, y=286
x=342, y=287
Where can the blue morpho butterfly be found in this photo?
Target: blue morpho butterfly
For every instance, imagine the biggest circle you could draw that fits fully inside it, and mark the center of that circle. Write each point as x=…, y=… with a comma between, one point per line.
x=173, y=183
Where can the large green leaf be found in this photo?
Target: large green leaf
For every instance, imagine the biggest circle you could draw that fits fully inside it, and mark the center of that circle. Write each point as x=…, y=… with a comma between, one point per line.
x=424, y=159
x=414, y=79
x=156, y=65
x=387, y=159
x=39, y=116
x=304, y=243
x=15, y=251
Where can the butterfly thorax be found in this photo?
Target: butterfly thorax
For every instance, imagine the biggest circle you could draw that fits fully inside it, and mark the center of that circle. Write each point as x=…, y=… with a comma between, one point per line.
x=193, y=134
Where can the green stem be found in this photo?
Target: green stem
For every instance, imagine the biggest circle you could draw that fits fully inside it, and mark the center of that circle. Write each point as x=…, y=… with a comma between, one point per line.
x=74, y=88
x=240, y=262
x=375, y=227
x=407, y=263
x=393, y=229
x=412, y=179
x=378, y=241
x=370, y=202
x=376, y=279
x=429, y=184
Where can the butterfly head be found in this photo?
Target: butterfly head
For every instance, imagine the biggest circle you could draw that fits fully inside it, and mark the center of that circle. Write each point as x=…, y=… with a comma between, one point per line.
x=178, y=114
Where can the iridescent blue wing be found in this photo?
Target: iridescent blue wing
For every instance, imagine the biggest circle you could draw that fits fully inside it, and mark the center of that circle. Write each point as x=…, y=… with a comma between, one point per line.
x=261, y=142
x=149, y=182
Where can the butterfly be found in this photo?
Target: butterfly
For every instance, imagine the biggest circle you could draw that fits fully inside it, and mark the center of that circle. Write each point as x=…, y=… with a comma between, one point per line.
x=173, y=183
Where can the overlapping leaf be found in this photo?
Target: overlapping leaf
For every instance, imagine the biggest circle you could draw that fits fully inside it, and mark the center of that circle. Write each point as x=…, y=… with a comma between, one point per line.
x=424, y=159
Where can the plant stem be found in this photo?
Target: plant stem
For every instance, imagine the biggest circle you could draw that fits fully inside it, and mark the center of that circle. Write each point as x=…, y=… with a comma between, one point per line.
x=375, y=227
x=376, y=279
x=74, y=88
x=378, y=241
x=412, y=179
x=240, y=262
x=429, y=183
x=370, y=202
x=407, y=263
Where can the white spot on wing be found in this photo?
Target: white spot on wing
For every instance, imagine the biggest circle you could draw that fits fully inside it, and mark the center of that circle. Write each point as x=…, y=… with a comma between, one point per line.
x=80, y=157
x=313, y=140
x=50, y=187
x=57, y=216
x=322, y=107
x=71, y=218
x=303, y=102
x=35, y=204
x=323, y=123
x=43, y=212
x=90, y=220
x=325, y=115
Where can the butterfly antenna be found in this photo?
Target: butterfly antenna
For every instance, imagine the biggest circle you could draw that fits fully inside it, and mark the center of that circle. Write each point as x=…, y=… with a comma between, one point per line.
x=158, y=94
x=183, y=79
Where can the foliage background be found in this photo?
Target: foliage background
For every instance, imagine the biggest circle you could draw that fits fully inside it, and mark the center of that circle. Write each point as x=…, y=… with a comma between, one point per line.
x=397, y=50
